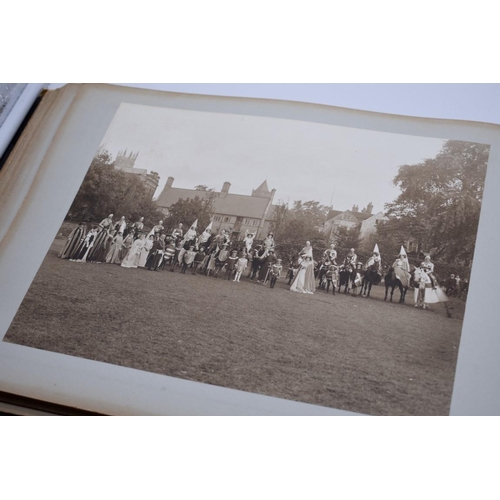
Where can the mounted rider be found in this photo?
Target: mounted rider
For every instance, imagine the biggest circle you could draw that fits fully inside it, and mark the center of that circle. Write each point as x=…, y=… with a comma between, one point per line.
x=401, y=268
x=268, y=244
x=374, y=263
x=428, y=268
x=350, y=260
x=330, y=254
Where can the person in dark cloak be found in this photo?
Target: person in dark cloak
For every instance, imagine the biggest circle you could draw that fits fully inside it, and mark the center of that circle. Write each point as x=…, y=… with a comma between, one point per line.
x=73, y=242
x=257, y=256
x=266, y=265
x=85, y=246
x=104, y=228
x=155, y=257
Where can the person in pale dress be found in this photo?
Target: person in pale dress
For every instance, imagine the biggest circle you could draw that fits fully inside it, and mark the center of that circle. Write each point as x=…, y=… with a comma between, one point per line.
x=304, y=281
x=113, y=256
x=126, y=246
x=427, y=292
x=132, y=258
x=401, y=268
x=148, y=244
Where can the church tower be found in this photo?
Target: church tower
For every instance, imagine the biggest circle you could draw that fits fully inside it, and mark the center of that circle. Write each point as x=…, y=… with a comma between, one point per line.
x=125, y=161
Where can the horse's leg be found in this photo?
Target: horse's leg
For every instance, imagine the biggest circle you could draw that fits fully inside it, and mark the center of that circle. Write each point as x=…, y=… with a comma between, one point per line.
x=386, y=292
x=369, y=288
x=392, y=291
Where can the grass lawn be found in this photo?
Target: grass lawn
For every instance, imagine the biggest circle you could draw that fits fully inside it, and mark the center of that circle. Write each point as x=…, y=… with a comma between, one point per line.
x=346, y=352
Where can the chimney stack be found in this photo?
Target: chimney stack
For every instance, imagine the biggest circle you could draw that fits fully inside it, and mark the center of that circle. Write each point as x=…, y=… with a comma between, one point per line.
x=170, y=181
x=369, y=207
x=225, y=189
x=355, y=208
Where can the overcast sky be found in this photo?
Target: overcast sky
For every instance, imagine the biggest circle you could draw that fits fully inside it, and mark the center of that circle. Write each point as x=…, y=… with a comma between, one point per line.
x=301, y=160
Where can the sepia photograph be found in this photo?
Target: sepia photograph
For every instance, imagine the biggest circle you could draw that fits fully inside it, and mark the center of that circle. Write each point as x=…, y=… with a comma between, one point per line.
x=306, y=261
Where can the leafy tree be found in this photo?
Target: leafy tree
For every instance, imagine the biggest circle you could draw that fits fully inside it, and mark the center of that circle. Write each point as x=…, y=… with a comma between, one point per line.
x=280, y=218
x=203, y=187
x=347, y=238
x=312, y=212
x=106, y=190
x=188, y=210
x=440, y=201
x=300, y=223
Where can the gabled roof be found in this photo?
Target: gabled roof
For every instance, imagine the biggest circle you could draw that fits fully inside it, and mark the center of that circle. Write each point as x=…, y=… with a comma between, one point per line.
x=360, y=216
x=263, y=188
x=333, y=213
x=172, y=195
x=241, y=206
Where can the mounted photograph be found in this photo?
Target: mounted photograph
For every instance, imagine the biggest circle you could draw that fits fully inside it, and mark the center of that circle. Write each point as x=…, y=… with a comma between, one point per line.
x=306, y=261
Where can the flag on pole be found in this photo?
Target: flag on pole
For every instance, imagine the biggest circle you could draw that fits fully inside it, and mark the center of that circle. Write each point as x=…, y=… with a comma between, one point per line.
x=191, y=232
x=206, y=234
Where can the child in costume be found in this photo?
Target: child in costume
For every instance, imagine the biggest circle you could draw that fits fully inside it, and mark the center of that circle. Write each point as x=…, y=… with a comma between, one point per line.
x=199, y=259
x=188, y=259
x=221, y=260
x=241, y=265
x=169, y=252
x=275, y=273
x=231, y=264
x=331, y=278
x=175, y=259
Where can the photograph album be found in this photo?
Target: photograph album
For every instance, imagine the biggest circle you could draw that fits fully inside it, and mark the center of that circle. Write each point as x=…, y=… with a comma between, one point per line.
x=180, y=254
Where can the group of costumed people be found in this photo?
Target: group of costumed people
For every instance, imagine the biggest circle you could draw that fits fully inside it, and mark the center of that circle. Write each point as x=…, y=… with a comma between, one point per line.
x=210, y=254
x=304, y=273
x=112, y=242
x=127, y=244
x=427, y=289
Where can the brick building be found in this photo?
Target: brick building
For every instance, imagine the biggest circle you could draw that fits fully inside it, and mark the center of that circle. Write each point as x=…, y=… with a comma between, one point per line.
x=235, y=212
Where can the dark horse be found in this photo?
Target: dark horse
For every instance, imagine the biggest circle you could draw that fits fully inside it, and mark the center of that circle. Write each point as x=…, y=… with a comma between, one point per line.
x=392, y=282
x=371, y=277
x=347, y=276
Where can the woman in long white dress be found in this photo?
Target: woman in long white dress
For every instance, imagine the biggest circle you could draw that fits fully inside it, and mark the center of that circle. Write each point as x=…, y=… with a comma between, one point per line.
x=307, y=250
x=426, y=291
x=113, y=256
x=132, y=258
x=304, y=281
x=148, y=244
